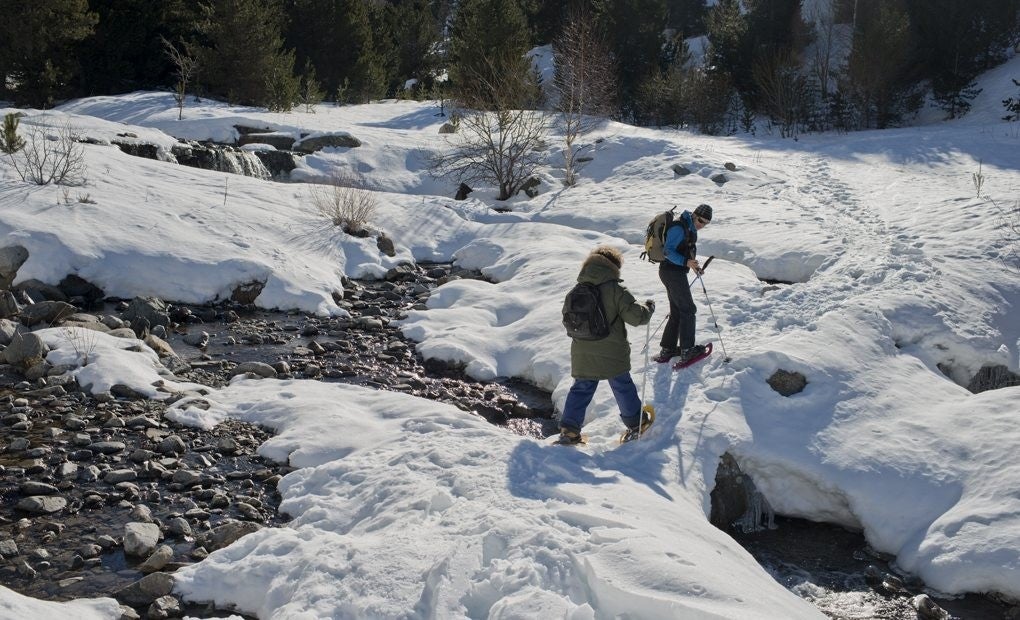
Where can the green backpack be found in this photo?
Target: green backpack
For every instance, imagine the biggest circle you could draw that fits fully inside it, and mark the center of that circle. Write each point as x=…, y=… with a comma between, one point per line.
x=655, y=236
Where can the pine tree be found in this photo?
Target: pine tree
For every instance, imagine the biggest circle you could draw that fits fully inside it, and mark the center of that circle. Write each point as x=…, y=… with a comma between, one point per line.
x=1012, y=105
x=488, y=40
x=636, y=28
x=37, y=41
x=10, y=141
x=120, y=56
x=415, y=44
x=337, y=37
x=245, y=61
x=880, y=61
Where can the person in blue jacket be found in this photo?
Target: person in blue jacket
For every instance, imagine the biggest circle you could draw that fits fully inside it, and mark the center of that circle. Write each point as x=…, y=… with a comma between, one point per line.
x=681, y=250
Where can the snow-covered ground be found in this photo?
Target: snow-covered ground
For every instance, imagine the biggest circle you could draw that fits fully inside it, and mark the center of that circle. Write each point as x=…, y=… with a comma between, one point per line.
x=408, y=508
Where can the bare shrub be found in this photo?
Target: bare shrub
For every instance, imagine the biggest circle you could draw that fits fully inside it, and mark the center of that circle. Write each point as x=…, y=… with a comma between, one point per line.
x=185, y=66
x=585, y=85
x=51, y=155
x=83, y=341
x=1009, y=234
x=499, y=140
x=345, y=202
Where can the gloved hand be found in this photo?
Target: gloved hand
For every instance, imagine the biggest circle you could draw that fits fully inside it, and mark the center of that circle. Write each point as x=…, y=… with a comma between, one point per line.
x=650, y=304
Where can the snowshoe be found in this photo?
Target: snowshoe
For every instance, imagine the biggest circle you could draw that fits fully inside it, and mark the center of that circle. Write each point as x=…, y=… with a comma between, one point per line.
x=693, y=355
x=664, y=356
x=635, y=432
x=570, y=438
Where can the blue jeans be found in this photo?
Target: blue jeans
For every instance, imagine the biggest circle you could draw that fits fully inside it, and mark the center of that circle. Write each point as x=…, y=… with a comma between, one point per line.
x=583, y=390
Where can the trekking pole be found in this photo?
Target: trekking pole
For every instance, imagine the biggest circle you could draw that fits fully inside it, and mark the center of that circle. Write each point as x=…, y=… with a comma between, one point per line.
x=650, y=409
x=718, y=330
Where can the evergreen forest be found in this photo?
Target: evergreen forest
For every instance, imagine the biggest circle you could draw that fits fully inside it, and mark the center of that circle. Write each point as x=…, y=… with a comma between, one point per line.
x=797, y=66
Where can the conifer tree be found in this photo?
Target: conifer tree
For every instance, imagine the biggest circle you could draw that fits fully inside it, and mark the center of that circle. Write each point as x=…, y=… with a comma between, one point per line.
x=636, y=37
x=245, y=61
x=488, y=40
x=337, y=37
x=415, y=43
x=120, y=56
x=37, y=40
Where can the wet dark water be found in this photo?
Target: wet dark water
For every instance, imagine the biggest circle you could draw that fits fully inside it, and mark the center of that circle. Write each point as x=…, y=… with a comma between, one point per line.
x=836, y=570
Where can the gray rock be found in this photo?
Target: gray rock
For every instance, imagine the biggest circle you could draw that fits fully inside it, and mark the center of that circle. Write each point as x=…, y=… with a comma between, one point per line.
x=42, y=504
x=164, y=607
x=197, y=339
x=12, y=257
x=228, y=533
x=39, y=291
x=993, y=378
x=158, y=560
x=179, y=526
x=32, y=487
x=67, y=470
x=719, y=179
x=680, y=171
x=146, y=590
x=119, y=475
x=25, y=350
x=187, y=477
x=151, y=309
x=787, y=383
x=8, y=548
x=140, y=539
x=8, y=307
x=317, y=143
x=248, y=292
x=107, y=447
x=172, y=445
x=260, y=369
x=121, y=390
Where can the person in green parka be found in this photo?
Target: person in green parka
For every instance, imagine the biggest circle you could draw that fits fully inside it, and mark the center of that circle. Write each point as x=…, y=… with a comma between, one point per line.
x=592, y=361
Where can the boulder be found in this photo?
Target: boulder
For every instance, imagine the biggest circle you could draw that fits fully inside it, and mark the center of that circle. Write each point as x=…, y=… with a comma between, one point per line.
x=8, y=305
x=76, y=287
x=140, y=539
x=151, y=309
x=322, y=141
x=247, y=292
x=276, y=139
x=46, y=312
x=385, y=245
x=25, y=350
x=12, y=258
x=40, y=291
x=228, y=533
x=146, y=590
x=787, y=383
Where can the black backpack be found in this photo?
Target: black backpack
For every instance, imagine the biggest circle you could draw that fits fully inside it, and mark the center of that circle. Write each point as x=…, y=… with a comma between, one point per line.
x=584, y=316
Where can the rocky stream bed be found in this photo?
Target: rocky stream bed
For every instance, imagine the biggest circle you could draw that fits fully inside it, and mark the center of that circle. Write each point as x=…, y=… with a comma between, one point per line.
x=101, y=495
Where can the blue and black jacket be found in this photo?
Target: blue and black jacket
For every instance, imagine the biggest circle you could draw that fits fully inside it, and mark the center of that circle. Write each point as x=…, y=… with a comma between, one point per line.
x=681, y=242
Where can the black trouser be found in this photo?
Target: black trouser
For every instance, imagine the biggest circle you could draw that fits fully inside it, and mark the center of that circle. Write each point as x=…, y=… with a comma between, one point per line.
x=680, y=324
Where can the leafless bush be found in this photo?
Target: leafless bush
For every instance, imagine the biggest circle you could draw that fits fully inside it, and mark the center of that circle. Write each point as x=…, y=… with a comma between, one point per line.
x=783, y=90
x=51, y=155
x=345, y=202
x=1009, y=233
x=979, y=180
x=83, y=341
x=499, y=141
x=585, y=85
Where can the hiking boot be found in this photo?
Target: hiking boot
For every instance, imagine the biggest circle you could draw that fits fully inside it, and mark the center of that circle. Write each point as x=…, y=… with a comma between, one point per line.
x=688, y=354
x=635, y=431
x=664, y=355
x=569, y=436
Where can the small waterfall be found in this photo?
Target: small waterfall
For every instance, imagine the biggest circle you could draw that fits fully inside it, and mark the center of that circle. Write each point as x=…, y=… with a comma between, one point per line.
x=242, y=162
x=223, y=158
